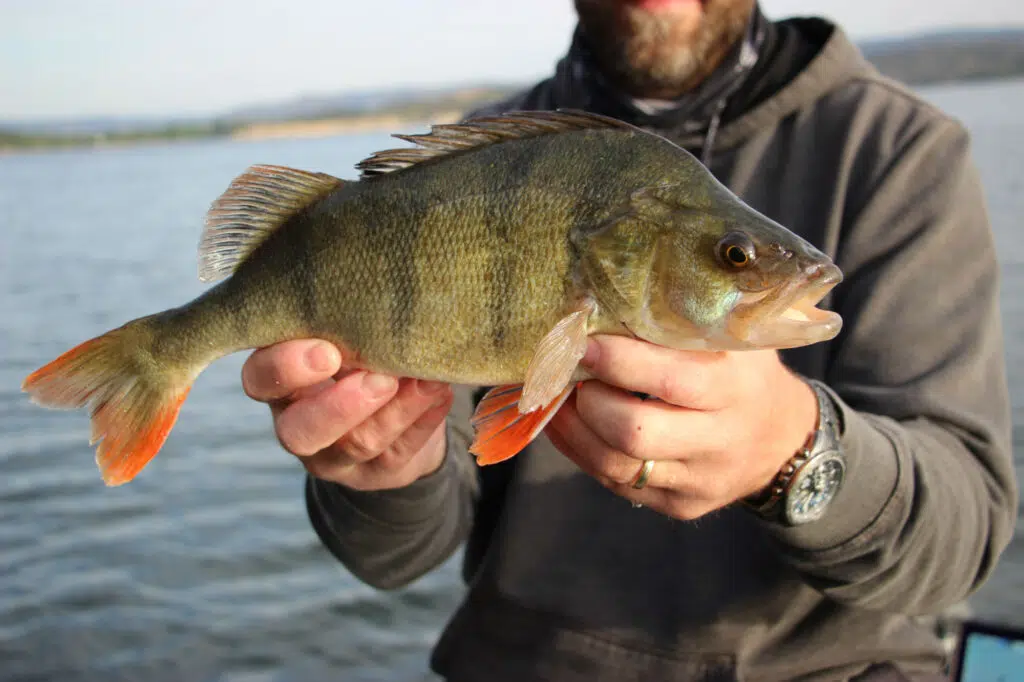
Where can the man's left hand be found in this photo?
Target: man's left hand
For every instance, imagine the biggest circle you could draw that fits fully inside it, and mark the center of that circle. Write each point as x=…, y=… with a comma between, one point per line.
x=722, y=426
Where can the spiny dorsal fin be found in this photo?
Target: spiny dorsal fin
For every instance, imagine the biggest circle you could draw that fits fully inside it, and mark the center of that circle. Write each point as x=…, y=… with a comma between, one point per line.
x=258, y=202
x=443, y=140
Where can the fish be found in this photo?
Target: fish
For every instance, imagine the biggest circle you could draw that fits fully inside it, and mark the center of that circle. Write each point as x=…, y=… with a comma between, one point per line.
x=484, y=254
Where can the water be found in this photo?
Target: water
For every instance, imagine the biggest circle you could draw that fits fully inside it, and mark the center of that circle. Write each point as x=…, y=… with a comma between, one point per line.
x=205, y=568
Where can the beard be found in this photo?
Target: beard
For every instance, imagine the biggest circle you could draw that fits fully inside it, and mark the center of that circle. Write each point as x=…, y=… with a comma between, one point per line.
x=665, y=52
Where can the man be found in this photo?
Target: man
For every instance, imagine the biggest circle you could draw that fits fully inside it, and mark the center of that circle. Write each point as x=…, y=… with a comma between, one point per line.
x=751, y=558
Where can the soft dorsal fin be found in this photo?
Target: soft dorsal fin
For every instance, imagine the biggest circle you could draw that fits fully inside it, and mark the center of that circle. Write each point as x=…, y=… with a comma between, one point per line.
x=258, y=202
x=443, y=140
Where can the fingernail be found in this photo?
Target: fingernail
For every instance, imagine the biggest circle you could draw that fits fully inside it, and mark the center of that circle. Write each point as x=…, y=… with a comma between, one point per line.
x=377, y=385
x=430, y=387
x=592, y=354
x=322, y=357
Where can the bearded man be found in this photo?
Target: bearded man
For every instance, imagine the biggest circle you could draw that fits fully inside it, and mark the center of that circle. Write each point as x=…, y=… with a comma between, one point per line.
x=764, y=516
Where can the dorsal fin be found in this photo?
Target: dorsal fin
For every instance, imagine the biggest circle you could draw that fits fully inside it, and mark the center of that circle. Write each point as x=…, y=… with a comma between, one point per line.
x=255, y=204
x=443, y=140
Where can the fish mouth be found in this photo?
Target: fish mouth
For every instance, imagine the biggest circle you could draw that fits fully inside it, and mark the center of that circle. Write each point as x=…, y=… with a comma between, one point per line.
x=787, y=316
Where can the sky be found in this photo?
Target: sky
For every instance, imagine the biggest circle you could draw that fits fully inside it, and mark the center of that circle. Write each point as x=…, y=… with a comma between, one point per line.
x=62, y=59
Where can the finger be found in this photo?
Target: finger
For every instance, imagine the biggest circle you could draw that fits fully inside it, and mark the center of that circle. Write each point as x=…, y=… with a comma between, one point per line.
x=308, y=426
x=380, y=431
x=693, y=379
x=647, y=429
x=278, y=406
x=667, y=502
x=397, y=466
x=612, y=468
x=661, y=492
x=430, y=425
x=277, y=371
x=416, y=453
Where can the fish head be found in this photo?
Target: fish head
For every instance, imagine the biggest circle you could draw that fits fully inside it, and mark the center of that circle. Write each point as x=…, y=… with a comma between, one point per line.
x=751, y=284
x=708, y=272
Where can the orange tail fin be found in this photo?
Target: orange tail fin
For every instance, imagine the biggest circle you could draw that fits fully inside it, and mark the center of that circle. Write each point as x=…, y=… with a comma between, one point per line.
x=134, y=400
x=501, y=430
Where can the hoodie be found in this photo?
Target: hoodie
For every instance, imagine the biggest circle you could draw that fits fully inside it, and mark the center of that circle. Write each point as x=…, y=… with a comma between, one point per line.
x=567, y=582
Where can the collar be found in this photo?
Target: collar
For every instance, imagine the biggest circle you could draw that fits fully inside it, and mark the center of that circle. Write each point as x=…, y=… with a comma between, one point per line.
x=579, y=84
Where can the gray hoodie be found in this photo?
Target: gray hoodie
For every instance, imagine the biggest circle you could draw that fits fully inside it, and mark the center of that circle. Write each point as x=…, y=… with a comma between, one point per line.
x=568, y=582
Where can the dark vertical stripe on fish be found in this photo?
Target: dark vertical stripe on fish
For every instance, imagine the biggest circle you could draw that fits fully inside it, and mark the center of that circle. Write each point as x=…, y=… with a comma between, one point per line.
x=502, y=218
x=586, y=213
x=301, y=244
x=233, y=306
x=402, y=280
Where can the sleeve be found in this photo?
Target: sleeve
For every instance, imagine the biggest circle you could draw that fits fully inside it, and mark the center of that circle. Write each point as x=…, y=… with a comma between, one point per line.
x=919, y=381
x=388, y=538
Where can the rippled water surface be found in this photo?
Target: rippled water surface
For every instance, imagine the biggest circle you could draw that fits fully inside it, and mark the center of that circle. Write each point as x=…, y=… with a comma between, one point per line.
x=205, y=568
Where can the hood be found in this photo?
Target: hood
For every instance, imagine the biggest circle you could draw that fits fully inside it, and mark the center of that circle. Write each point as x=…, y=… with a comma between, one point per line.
x=837, y=62
x=776, y=69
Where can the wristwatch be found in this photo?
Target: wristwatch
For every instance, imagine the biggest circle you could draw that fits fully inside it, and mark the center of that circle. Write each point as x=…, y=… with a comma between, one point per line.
x=809, y=481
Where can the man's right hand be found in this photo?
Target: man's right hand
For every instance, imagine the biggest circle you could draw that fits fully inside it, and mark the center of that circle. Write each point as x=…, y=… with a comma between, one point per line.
x=363, y=430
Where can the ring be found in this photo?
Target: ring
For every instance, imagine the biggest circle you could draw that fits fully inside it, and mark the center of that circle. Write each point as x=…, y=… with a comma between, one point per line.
x=645, y=472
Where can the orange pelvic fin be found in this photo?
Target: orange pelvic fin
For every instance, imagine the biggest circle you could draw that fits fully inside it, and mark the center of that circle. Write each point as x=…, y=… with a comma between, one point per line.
x=501, y=430
x=132, y=412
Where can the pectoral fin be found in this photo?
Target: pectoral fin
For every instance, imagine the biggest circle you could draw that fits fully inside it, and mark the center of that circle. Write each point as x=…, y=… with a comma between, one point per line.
x=556, y=358
x=509, y=417
x=502, y=430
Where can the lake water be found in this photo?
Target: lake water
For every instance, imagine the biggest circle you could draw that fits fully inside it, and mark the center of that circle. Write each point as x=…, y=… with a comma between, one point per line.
x=205, y=568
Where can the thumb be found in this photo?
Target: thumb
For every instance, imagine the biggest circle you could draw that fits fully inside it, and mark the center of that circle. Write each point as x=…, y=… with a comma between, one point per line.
x=277, y=371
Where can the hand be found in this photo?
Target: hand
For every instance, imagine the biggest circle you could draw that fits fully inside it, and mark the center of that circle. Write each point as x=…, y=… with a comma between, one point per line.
x=722, y=427
x=363, y=430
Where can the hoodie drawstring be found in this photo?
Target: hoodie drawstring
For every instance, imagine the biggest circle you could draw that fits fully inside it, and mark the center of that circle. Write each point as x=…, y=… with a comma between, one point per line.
x=707, y=148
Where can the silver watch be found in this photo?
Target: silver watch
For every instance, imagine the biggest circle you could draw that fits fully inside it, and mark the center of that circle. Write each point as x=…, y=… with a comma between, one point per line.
x=806, y=485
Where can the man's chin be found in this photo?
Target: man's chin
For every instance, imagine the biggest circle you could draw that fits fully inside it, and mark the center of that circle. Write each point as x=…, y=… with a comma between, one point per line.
x=661, y=48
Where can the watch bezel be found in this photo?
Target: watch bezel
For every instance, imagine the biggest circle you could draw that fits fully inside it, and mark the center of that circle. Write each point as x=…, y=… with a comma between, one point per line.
x=792, y=495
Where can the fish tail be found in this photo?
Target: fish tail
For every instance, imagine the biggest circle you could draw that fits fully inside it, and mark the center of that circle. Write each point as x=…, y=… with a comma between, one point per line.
x=133, y=389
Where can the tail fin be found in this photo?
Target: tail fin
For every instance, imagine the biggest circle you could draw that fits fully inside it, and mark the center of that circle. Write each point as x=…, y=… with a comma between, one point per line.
x=133, y=398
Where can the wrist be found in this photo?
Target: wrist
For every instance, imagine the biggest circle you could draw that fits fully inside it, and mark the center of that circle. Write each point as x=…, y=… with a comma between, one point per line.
x=805, y=486
x=794, y=421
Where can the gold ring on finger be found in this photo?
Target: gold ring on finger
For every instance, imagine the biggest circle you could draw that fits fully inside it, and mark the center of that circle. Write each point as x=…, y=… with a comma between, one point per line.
x=645, y=473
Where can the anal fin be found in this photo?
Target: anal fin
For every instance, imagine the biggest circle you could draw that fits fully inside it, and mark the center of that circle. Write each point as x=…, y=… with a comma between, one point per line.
x=502, y=430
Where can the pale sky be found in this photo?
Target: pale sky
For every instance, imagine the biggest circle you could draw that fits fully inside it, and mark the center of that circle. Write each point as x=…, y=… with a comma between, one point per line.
x=75, y=58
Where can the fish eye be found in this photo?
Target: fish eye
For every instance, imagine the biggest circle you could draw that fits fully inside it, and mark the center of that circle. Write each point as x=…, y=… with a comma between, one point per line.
x=736, y=250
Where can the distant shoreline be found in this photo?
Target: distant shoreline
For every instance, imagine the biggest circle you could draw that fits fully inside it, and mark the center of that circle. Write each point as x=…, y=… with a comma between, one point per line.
x=382, y=122
x=250, y=132
x=327, y=127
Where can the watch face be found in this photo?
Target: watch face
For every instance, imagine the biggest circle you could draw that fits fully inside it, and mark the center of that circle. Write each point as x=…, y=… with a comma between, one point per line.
x=813, y=488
